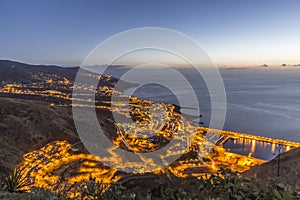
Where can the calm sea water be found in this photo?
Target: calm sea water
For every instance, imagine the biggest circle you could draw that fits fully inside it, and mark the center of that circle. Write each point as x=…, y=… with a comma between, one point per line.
x=262, y=102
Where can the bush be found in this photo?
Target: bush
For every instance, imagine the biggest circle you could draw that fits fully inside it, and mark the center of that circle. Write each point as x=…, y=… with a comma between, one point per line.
x=228, y=185
x=225, y=185
x=93, y=189
x=90, y=189
x=28, y=196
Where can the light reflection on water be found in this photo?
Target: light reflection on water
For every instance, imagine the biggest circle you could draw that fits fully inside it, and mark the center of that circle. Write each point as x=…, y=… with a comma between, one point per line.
x=257, y=149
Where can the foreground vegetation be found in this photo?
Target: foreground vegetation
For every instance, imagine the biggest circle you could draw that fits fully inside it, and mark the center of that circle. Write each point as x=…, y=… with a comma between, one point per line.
x=225, y=185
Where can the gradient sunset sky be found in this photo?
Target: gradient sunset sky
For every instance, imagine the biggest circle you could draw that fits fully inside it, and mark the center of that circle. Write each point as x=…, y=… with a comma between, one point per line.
x=234, y=33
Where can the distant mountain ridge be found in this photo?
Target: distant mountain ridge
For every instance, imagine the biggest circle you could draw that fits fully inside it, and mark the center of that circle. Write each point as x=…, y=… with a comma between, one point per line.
x=16, y=71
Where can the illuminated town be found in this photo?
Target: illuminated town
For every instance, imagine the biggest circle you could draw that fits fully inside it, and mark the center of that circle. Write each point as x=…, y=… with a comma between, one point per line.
x=206, y=153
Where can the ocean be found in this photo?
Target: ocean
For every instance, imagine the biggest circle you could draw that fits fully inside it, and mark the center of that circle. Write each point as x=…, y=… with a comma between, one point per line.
x=260, y=101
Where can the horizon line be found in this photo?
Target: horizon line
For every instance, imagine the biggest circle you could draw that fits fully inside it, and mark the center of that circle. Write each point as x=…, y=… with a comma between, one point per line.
x=220, y=66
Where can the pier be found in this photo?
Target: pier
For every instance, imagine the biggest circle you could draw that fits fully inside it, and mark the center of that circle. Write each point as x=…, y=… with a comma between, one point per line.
x=225, y=135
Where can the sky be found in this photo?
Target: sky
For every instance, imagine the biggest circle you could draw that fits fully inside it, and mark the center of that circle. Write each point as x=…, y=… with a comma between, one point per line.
x=234, y=33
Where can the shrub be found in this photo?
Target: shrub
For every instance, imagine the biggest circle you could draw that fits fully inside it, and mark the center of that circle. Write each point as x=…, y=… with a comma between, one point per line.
x=225, y=185
x=228, y=185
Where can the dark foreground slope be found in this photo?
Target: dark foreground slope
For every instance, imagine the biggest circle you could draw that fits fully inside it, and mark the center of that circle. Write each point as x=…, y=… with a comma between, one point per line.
x=289, y=169
x=27, y=125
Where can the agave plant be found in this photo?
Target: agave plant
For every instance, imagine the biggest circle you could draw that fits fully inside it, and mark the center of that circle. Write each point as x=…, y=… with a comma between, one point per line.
x=17, y=180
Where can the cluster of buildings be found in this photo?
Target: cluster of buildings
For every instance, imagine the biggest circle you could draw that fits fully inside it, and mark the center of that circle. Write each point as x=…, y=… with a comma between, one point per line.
x=149, y=127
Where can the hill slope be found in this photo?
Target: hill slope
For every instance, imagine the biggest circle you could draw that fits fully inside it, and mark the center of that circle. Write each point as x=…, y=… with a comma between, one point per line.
x=21, y=72
x=27, y=125
x=289, y=169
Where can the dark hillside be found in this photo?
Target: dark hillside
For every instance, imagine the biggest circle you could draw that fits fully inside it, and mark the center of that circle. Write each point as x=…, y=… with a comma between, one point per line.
x=21, y=72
